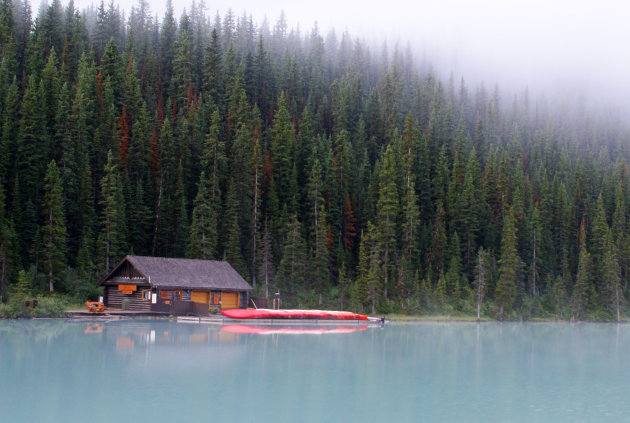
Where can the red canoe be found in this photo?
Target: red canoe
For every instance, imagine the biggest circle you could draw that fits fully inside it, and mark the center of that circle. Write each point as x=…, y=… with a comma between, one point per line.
x=264, y=313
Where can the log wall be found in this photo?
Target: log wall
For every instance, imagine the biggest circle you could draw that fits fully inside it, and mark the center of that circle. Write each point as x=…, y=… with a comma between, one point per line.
x=113, y=298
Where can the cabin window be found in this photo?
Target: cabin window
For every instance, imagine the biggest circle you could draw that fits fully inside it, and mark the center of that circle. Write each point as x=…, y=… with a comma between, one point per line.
x=215, y=298
x=178, y=295
x=165, y=295
x=146, y=295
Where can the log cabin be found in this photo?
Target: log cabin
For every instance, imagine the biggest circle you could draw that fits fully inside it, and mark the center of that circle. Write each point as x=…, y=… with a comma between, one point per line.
x=173, y=285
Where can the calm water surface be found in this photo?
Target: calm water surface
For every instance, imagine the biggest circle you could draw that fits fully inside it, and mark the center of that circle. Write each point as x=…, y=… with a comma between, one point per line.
x=159, y=371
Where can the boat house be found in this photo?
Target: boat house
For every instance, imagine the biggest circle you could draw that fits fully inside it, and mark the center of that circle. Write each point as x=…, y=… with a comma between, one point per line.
x=176, y=286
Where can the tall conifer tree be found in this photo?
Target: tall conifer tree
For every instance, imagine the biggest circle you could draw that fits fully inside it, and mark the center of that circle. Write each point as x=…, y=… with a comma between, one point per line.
x=53, y=232
x=510, y=265
x=112, y=238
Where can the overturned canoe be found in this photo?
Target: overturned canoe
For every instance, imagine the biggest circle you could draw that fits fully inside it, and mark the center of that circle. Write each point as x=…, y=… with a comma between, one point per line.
x=264, y=313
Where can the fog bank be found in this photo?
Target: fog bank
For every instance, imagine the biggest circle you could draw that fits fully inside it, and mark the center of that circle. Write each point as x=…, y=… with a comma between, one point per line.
x=570, y=46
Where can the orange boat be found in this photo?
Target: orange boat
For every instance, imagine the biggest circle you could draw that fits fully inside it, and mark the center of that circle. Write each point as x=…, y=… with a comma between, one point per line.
x=95, y=306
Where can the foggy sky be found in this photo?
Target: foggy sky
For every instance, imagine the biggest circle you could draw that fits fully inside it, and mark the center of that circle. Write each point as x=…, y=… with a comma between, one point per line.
x=553, y=44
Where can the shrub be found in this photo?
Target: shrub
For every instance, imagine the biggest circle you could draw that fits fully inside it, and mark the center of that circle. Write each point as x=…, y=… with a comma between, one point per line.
x=12, y=310
x=49, y=307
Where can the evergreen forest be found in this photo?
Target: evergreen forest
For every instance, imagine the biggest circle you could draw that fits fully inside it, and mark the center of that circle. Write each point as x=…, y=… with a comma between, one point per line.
x=340, y=174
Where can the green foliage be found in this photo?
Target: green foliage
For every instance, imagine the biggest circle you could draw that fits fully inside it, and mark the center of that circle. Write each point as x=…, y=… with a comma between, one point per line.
x=203, y=229
x=49, y=307
x=292, y=272
x=83, y=285
x=510, y=265
x=54, y=230
x=17, y=305
x=112, y=236
x=276, y=150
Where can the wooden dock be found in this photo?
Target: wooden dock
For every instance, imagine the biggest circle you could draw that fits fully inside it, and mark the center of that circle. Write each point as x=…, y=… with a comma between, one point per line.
x=218, y=319
x=114, y=314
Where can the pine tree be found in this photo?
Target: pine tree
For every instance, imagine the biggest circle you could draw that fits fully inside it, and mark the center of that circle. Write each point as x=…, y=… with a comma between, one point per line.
x=50, y=87
x=10, y=126
x=619, y=230
x=470, y=207
x=437, y=250
x=441, y=292
x=388, y=209
x=319, y=257
x=256, y=201
x=440, y=180
x=342, y=285
x=266, y=269
x=611, y=274
x=213, y=71
x=582, y=291
x=410, y=227
x=167, y=49
x=23, y=292
x=182, y=226
x=113, y=233
x=7, y=29
x=536, y=241
x=481, y=278
x=8, y=251
x=349, y=225
x=454, y=272
x=100, y=32
x=599, y=244
x=203, y=229
x=139, y=219
x=181, y=81
x=559, y=296
x=112, y=68
x=53, y=232
x=282, y=150
x=166, y=206
x=315, y=198
x=32, y=146
x=410, y=146
x=214, y=158
x=510, y=264
x=232, y=252
x=123, y=139
x=292, y=274
x=368, y=285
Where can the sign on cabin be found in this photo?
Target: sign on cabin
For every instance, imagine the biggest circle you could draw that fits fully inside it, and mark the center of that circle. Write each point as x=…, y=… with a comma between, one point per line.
x=127, y=289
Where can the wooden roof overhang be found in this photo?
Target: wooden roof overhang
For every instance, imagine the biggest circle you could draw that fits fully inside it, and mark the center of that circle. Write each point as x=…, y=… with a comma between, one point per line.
x=171, y=274
x=138, y=279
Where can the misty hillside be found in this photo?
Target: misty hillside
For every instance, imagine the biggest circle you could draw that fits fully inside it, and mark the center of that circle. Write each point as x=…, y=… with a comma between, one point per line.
x=341, y=174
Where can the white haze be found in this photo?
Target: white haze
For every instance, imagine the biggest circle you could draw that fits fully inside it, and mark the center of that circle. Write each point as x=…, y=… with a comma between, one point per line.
x=567, y=46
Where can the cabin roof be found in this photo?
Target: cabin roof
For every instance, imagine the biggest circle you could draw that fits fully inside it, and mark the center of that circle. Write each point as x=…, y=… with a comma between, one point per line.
x=162, y=272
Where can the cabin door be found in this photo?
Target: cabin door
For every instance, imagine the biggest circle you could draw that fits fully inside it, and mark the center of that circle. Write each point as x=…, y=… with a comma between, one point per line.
x=229, y=300
x=200, y=297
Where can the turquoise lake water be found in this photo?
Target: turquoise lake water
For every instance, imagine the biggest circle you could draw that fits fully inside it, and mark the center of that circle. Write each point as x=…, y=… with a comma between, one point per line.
x=160, y=371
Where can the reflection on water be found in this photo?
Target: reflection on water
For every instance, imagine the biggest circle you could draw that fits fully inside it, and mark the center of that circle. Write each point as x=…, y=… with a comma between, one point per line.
x=63, y=371
x=94, y=328
x=291, y=330
x=128, y=334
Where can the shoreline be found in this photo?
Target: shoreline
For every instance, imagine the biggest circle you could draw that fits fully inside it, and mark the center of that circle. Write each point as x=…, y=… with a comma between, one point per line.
x=473, y=319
